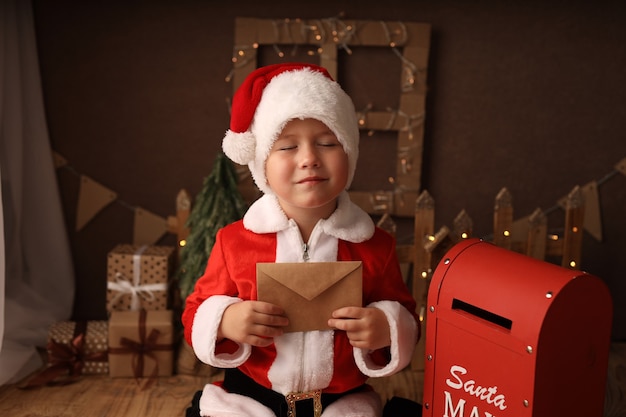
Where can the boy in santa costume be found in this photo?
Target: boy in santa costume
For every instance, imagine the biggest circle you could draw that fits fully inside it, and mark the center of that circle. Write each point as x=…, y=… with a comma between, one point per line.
x=297, y=131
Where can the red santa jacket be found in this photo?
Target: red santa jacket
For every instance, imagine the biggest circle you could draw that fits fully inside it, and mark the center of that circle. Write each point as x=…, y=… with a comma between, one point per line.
x=230, y=276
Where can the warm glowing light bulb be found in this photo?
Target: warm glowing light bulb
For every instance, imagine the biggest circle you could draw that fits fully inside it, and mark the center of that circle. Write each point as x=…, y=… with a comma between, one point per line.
x=572, y=264
x=182, y=243
x=506, y=233
x=464, y=235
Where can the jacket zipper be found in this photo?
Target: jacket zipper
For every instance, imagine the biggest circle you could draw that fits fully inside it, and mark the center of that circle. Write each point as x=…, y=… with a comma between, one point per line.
x=305, y=252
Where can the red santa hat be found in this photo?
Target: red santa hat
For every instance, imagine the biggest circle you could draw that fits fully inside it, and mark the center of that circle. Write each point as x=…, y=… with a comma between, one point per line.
x=271, y=96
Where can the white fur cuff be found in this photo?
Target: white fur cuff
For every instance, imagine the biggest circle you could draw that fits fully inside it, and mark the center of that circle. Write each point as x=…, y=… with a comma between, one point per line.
x=204, y=333
x=403, y=329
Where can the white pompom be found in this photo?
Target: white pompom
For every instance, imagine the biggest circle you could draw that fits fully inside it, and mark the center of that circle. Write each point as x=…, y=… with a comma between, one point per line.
x=239, y=147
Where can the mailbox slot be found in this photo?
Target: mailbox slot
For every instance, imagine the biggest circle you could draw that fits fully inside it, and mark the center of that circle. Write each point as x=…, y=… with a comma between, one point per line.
x=482, y=314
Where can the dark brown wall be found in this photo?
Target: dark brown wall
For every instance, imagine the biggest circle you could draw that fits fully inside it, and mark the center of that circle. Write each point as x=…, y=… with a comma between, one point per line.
x=528, y=95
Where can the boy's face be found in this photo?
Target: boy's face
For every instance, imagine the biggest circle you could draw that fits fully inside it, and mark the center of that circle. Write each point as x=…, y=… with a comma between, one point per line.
x=307, y=166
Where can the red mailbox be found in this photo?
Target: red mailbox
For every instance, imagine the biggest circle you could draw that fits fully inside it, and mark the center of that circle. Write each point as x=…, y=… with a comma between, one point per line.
x=510, y=335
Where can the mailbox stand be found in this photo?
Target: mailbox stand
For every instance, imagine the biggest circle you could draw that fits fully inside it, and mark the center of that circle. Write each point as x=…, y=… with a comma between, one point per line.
x=510, y=335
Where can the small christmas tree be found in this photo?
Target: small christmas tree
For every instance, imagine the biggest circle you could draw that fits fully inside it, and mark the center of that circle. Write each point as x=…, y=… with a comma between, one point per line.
x=219, y=203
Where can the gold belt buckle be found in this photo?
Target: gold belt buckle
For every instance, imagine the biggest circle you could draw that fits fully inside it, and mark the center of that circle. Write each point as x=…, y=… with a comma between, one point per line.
x=294, y=397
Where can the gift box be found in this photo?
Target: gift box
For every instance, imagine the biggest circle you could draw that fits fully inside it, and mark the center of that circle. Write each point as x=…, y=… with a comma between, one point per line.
x=139, y=277
x=74, y=348
x=84, y=342
x=141, y=343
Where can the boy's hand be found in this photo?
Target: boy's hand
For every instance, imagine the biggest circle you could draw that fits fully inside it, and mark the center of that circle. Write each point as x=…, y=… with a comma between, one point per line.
x=252, y=322
x=366, y=327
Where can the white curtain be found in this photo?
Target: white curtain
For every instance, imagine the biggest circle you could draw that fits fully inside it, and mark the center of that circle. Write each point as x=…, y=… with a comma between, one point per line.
x=36, y=275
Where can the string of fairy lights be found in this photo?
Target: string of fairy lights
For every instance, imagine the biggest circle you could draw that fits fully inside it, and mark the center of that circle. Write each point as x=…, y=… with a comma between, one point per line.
x=320, y=32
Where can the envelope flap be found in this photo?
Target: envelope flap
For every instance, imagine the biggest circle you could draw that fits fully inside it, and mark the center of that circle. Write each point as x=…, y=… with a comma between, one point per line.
x=308, y=279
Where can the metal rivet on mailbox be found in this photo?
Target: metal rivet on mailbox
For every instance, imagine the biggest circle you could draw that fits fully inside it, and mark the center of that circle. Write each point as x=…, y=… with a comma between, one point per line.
x=525, y=403
x=549, y=294
x=446, y=261
x=432, y=309
x=430, y=357
x=529, y=349
x=427, y=406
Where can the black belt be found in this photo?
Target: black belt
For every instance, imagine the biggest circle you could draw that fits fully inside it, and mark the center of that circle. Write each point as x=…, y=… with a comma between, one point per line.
x=291, y=405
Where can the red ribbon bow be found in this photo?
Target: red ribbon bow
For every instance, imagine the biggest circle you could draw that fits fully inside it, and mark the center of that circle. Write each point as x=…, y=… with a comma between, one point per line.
x=66, y=362
x=146, y=346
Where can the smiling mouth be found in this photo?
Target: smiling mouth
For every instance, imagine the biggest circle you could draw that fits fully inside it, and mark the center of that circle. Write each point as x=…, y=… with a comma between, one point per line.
x=311, y=180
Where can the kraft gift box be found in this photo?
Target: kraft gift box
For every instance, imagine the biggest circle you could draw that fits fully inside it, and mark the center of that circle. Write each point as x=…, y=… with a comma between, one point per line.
x=89, y=340
x=74, y=349
x=141, y=343
x=139, y=277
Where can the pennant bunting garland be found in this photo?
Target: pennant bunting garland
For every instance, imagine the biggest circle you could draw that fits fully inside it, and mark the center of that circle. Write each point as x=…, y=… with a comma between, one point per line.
x=621, y=166
x=148, y=227
x=592, y=221
x=521, y=226
x=58, y=160
x=92, y=198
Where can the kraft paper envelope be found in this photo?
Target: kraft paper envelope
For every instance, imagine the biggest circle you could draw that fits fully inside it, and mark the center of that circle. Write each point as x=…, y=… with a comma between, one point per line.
x=310, y=291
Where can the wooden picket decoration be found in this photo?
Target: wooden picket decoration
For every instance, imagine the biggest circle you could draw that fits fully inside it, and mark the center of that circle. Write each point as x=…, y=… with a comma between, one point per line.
x=571, y=249
x=177, y=224
x=528, y=236
x=503, y=219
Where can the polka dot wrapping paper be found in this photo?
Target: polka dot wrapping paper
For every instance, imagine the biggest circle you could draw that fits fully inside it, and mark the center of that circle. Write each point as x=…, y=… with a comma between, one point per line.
x=92, y=348
x=139, y=277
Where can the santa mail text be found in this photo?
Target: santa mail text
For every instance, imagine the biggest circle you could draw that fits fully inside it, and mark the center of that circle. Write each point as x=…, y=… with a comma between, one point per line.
x=487, y=394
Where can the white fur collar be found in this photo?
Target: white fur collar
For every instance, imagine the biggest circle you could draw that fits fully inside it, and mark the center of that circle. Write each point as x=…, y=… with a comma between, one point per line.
x=349, y=222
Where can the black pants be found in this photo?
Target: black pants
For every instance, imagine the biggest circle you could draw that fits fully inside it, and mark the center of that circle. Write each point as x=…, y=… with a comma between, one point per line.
x=237, y=382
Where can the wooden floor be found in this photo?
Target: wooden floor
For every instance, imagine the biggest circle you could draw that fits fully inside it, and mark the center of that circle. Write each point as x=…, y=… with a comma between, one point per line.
x=102, y=396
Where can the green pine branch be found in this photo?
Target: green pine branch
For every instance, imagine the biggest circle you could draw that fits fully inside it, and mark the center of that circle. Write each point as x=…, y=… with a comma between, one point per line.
x=218, y=204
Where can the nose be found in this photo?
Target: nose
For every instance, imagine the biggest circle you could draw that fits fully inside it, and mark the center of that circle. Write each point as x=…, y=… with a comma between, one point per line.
x=309, y=156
